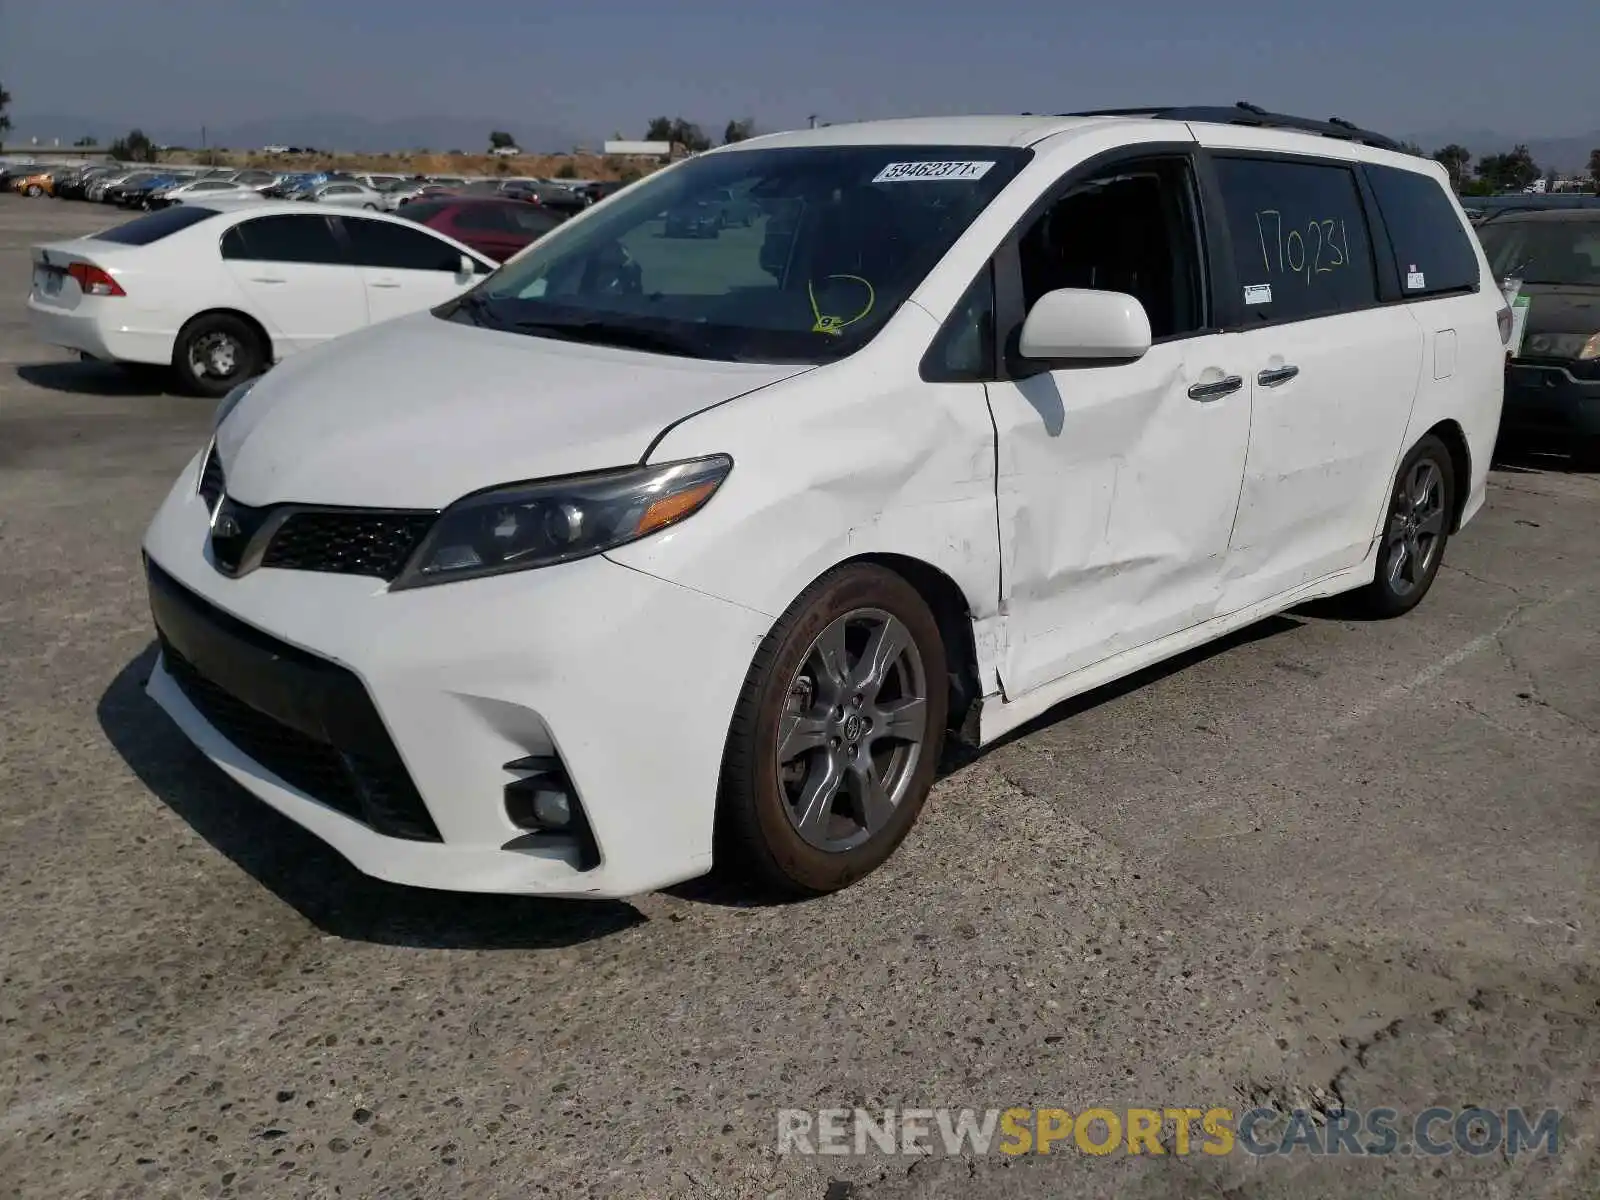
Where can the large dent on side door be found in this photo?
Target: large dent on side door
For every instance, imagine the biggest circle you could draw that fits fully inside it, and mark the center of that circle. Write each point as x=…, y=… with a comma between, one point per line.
x=1114, y=511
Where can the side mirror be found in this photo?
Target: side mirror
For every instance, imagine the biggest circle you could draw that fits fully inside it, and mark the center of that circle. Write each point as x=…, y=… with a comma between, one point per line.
x=1076, y=326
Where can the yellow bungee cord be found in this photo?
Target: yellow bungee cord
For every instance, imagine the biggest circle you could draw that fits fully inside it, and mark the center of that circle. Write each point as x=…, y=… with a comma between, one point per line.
x=833, y=325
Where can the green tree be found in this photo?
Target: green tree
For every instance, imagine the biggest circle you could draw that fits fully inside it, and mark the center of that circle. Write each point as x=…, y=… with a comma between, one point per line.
x=501, y=140
x=1412, y=148
x=87, y=140
x=1454, y=158
x=134, y=147
x=1509, y=172
x=738, y=131
x=1594, y=169
x=679, y=132
x=5, y=121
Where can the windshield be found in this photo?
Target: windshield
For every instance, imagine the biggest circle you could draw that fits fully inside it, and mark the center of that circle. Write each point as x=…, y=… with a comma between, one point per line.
x=1560, y=252
x=797, y=255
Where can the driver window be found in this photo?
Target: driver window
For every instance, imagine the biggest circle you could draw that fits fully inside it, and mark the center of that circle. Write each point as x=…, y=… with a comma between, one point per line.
x=1132, y=230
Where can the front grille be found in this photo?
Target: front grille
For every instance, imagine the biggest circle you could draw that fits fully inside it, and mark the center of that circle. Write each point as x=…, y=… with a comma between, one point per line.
x=211, y=481
x=349, y=542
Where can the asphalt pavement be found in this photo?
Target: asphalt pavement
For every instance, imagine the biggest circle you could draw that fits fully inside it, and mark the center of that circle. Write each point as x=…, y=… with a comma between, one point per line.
x=1327, y=863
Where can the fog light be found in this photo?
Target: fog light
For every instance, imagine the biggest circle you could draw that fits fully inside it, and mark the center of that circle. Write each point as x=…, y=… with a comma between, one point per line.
x=544, y=803
x=552, y=809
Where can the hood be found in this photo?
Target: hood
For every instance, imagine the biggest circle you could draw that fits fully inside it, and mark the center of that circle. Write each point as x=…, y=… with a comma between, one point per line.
x=416, y=413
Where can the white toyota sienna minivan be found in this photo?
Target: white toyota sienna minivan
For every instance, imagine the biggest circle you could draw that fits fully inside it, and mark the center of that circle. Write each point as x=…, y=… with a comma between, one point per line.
x=657, y=547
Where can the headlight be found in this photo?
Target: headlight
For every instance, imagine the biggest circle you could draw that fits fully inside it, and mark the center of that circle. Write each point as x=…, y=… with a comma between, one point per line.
x=1590, y=348
x=528, y=525
x=230, y=402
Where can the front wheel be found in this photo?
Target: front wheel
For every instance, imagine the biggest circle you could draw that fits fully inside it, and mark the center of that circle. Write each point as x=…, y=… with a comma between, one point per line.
x=1421, y=509
x=35, y=190
x=216, y=351
x=837, y=734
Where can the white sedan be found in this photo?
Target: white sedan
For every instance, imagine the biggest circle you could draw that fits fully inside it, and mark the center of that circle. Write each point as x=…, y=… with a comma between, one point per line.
x=220, y=292
x=349, y=195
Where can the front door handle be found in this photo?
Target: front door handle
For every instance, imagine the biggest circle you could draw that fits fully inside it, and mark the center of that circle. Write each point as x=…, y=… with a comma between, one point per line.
x=1276, y=376
x=267, y=279
x=1225, y=386
x=384, y=283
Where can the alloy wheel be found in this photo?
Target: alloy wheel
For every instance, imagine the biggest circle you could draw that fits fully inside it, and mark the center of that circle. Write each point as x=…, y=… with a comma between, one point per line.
x=215, y=355
x=852, y=729
x=1416, y=527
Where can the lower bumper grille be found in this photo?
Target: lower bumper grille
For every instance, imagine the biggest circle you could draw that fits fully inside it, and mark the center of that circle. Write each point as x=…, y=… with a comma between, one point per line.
x=323, y=737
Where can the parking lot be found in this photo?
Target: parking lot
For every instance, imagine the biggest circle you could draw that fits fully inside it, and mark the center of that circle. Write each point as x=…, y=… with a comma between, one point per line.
x=1325, y=862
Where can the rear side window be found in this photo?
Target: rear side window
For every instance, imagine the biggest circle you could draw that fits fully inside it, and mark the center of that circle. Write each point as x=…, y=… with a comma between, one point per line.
x=482, y=216
x=537, y=221
x=289, y=238
x=156, y=225
x=1431, y=250
x=399, y=247
x=1300, y=244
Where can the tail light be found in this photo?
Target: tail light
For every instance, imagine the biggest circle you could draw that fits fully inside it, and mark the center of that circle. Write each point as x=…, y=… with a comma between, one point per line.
x=93, y=281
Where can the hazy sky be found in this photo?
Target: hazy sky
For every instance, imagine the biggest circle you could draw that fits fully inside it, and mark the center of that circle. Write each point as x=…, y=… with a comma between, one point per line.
x=594, y=66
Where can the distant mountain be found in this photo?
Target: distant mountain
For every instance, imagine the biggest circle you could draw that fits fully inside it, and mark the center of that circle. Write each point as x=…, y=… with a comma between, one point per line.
x=325, y=132
x=1561, y=154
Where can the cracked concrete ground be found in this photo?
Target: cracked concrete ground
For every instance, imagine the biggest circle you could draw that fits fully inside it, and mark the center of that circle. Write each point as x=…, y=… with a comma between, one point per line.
x=1327, y=861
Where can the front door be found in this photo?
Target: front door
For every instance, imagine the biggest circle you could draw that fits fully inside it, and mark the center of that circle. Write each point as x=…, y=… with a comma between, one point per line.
x=1332, y=374
x=405, y=268
x=1117, y=484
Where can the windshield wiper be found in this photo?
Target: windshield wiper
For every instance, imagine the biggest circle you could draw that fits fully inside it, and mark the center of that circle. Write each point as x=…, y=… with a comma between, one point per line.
x=476, y=307
x=615, y=333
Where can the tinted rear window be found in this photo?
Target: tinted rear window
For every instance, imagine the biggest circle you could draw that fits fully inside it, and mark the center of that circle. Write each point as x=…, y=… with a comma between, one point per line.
x=289, y=237
x=157, y=225
x=1431, y=250
x=421, y=210
x=1299, y=238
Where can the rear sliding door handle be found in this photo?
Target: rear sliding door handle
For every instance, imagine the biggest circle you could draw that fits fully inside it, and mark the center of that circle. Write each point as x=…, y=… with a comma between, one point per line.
x=1225, y=386
x=1276, y=376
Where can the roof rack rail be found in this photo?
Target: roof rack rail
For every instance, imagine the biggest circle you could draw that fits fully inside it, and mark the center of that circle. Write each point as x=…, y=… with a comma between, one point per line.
x=1244, y=113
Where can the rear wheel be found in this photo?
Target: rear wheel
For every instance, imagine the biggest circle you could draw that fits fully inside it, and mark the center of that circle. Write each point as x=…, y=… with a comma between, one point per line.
x=1418, y=527
x=35, y=190
x=216, y=351
x=837, y=734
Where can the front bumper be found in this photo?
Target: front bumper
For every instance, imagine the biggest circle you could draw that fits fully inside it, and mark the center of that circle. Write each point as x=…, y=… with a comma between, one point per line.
x=1546, y=400
x=629, y=680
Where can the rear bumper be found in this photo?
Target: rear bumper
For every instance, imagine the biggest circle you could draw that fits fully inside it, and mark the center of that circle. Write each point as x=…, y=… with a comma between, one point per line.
x=88, y=330
x=1549, y=401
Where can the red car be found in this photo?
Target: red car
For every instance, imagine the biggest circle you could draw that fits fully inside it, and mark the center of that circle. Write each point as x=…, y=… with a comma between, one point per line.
x=491, y=226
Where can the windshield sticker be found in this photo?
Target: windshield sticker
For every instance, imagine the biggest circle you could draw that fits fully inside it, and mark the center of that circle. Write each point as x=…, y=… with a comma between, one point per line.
x=1415, y=278
x=916, y=172
x=834, y=325
x=1258, y=293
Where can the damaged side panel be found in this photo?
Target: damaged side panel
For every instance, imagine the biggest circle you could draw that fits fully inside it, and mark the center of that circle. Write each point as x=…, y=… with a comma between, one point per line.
x=1116, y=497
x=867, y=463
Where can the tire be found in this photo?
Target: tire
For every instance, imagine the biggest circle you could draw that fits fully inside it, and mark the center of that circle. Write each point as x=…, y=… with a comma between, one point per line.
x=1587, y=456
x=790, y=692
x=370, y=207
x=208, y=343
x=1416, y=531
x=35, y=190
